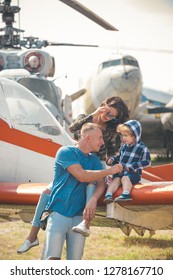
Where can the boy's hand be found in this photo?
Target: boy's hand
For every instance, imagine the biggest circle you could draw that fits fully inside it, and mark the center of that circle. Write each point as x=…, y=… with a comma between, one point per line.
x=127, y=168
x=109, y=161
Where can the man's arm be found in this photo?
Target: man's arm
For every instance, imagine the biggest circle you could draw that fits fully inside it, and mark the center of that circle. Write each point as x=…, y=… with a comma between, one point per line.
x=91, y=175
x=90, y=208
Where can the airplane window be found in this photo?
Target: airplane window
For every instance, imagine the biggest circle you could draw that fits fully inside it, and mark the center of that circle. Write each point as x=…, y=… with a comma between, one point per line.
x=110, y=63
x=130, y=61
x=27, y=113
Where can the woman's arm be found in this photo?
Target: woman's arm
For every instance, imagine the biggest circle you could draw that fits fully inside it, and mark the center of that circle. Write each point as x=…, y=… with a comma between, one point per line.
x=78, y=123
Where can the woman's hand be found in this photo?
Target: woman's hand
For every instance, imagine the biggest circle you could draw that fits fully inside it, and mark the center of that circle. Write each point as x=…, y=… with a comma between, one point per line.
x=100, y=110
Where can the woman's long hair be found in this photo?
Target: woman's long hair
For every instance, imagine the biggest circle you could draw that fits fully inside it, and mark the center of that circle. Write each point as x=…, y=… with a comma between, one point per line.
x=117, y=103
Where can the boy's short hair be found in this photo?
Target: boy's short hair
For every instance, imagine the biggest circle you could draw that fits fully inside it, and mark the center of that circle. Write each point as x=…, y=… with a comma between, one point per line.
x=124, y=128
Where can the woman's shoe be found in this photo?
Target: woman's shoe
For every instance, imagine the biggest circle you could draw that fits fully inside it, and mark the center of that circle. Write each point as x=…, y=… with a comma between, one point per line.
x=27, y=245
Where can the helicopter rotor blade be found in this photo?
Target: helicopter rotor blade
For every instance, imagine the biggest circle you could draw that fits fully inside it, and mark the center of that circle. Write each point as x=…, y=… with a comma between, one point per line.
x=70, y=45
x=89, y=14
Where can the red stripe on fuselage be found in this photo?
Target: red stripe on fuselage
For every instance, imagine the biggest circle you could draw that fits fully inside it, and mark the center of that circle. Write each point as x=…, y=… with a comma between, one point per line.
x=27, y=141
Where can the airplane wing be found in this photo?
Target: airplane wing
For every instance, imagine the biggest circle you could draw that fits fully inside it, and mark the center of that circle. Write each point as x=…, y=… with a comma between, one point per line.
x=18, y=201
x=156, y=97
x=150, y=199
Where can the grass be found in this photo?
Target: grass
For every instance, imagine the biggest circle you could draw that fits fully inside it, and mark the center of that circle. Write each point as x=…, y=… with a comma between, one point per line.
x=104, y=243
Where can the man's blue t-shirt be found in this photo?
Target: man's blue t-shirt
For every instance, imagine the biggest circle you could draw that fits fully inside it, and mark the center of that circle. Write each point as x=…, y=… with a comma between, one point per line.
x=68, y=196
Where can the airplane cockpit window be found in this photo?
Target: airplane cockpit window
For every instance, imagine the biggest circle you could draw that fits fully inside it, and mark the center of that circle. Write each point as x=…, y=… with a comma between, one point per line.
x=130, y=61
x=28, y=114
x=110, y=63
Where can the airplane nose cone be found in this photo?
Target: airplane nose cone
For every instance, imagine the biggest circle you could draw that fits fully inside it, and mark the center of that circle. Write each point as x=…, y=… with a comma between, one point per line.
x=125, y=79
x=122, y=81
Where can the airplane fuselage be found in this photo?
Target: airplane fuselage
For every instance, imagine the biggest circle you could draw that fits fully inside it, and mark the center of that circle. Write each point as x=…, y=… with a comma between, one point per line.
x=120, y=76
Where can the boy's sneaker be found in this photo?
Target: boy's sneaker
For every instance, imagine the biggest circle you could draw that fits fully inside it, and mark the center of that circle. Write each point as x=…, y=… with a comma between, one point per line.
x=123, y=197
x=82, y=229
x=108, y=199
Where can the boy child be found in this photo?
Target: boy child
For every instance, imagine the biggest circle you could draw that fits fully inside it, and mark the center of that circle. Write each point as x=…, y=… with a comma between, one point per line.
x=134, y=156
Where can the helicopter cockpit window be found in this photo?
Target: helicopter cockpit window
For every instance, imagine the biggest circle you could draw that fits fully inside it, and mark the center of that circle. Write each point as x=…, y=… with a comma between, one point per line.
x=28, y=114
x=110, y=63
x=130, y=61
x=41, y=88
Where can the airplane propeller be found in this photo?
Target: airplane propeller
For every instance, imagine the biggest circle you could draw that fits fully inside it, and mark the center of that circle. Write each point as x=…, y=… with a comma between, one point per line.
x=159, y=110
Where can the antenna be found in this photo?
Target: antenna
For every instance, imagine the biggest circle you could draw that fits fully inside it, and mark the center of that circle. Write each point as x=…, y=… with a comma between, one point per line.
x=18, y=4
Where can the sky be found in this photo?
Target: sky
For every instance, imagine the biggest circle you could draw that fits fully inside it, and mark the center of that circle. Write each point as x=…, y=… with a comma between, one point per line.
x=141, y=24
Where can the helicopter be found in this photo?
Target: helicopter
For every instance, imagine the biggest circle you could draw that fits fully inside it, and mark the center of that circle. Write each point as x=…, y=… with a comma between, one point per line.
x=23, y=60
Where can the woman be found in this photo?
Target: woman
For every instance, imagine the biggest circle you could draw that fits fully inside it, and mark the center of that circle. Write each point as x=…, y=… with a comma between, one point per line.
x=111, y=112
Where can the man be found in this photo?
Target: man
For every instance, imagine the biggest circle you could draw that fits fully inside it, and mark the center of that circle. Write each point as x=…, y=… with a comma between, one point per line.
x=75, y=167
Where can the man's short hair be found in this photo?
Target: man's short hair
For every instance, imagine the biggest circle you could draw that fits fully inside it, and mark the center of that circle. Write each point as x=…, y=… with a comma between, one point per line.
x=88, y=127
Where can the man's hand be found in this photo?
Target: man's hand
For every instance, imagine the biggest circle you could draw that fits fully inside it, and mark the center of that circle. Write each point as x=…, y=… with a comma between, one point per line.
x=117, y=168
x=90, y=208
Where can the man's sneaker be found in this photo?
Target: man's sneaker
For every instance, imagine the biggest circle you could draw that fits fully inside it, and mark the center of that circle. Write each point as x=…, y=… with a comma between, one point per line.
x=82, y=229
x=108, y=199
x=123, y=197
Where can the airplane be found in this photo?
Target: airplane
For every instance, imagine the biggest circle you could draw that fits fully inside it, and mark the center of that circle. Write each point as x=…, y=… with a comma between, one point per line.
x=120, y=75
